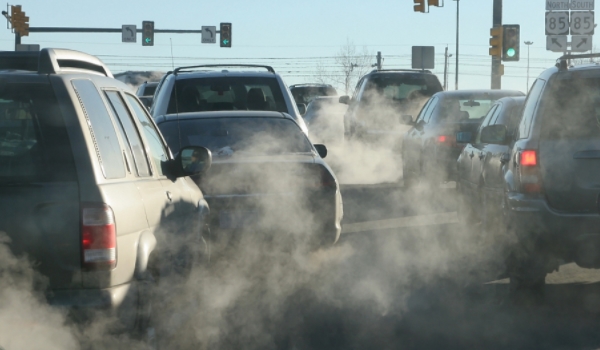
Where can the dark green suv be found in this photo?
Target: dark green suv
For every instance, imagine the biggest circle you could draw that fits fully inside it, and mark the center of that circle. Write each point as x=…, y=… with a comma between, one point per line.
x=89, y=191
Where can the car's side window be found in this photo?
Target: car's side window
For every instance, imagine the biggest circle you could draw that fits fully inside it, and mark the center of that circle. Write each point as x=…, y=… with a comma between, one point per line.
x=424, y=110
x=431, y=109
x=497, y=113
x=491, y=115
x=132, y=136
x=101, y=128
x=531, y=103
x=158, y=151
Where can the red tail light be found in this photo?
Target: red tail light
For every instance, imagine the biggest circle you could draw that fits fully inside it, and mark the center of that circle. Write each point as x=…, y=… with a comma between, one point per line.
x=320, y=178
x=98, y=238
x=529, y=172
x=442, y=138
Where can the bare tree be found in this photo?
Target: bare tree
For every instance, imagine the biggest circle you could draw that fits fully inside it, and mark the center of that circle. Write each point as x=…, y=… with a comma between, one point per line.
x=351, y=64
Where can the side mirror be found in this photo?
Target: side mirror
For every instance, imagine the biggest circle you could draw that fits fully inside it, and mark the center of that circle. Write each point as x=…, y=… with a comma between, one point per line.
x=193, y=160
x=301, y=108
x=344, y=99
x=406, y=119
x=495, y=134
x=321, y=149
x=464, y=137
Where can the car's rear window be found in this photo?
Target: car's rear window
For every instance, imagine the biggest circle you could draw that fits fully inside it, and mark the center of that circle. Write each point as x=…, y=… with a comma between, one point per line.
x=226, y=94
x=237, y=136
x=34, y=145
x=305, y=94
x=571, y=109
x=464, y=108
x=399, y=87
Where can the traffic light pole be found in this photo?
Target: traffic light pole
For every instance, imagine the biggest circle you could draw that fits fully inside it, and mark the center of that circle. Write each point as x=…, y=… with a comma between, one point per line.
x=497, y=60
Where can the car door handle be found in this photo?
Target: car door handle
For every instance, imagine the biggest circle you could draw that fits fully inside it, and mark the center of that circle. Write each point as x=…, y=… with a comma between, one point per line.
x=471, y=155
x=504, y=158
x=481, y=155
x=170, y=196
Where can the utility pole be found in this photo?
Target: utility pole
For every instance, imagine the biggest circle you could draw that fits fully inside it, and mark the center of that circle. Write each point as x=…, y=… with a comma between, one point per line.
x=497, y=61
x=446, y=56
x=378, y=60
x=528, y=43
x=457, y=37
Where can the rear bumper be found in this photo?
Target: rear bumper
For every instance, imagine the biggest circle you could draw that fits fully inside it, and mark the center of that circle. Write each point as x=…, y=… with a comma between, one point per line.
x=83, y=304
x=563, y=234
x=317, y=214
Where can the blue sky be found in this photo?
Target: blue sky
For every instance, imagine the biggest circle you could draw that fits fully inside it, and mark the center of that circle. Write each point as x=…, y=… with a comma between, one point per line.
x=293, y=36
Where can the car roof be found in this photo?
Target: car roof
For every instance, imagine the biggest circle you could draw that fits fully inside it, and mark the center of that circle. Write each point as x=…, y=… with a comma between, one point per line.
x=310, y=85
x=478, y=92
x=222, y=73
x=223, y=114
x=400, y=71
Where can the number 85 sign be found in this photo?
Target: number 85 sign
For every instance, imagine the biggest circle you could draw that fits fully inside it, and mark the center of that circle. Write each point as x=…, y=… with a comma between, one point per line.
x=557, y=23
x=582, y=23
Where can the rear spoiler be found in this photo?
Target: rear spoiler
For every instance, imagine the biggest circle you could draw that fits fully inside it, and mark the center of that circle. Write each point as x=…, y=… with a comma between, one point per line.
x=53, y=61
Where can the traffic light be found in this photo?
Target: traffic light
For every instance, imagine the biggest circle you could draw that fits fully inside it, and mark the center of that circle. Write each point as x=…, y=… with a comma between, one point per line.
x=496, y=42
x=434, y=3
x=510, y=42
x=225, y=34
x=419, y=6
x=148, y=33
x=19, y=21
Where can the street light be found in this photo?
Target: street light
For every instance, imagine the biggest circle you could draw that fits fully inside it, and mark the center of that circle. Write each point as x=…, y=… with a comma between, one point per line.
x=528, y=43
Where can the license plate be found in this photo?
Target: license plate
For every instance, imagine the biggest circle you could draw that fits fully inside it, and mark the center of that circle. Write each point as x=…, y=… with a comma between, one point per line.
x=237, y=219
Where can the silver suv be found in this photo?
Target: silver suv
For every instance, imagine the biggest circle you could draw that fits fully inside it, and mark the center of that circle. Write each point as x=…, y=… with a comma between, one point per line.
x=552, y=183
x=89, y=191
x=203, y=89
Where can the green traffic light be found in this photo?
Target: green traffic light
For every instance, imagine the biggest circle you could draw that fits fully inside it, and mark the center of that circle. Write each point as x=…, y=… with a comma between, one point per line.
x=511, y=52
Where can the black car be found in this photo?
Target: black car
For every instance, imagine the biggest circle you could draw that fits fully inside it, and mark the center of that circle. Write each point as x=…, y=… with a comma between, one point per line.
x=381, y=97
x=480, y=174
x=552, y=183
x=265, y=174
x=430, y=148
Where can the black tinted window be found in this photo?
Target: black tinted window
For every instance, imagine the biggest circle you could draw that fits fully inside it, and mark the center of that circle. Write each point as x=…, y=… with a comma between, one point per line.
x=158, y=153
x=34, y=145
x=132, y=136
x=237, y=136
x=222, y=94
x=305, y=94
x=571, y=109
x=102, y=129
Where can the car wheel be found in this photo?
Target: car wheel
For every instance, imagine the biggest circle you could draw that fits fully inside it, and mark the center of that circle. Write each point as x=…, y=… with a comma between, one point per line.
x=526, y=267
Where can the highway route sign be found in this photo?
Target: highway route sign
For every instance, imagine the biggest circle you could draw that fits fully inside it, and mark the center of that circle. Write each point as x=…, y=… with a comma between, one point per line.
x=557, y=23
x=129, y=33
x=582, y=22
x=581, y=43
x=556, y=43
x=209, y=34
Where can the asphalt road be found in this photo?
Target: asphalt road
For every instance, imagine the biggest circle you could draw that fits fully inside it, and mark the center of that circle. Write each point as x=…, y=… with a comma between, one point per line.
x=405, y=275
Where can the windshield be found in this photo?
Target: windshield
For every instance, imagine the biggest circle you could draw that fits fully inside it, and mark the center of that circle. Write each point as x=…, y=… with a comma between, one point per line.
x=237, y=136
x=226, y=94
x=401, y=87
x=33, y=141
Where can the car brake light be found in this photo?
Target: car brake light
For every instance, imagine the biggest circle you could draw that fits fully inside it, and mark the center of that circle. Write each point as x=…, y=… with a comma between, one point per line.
x=441, y=138
x=321, y=178
x=529, y=172
x=528, y=158
x=98, y=238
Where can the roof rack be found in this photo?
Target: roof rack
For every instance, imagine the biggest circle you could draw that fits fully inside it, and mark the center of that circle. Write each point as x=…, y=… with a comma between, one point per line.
x=563, y=61
x=401, y=70
x=269, y=68
x=53, y=61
